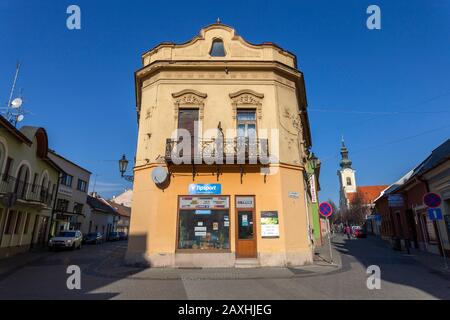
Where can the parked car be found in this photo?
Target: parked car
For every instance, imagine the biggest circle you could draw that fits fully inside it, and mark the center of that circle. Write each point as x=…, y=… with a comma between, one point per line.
x=113, y=236
x=360, y=233
x=67, y=239
x=93, y=238
x=123, y=236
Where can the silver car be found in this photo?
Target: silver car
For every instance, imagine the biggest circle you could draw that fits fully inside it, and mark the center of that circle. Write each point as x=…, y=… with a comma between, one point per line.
x=67, y=239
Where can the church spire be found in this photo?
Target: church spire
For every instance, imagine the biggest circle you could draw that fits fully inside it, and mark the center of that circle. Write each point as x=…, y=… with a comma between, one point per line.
x=345, y=162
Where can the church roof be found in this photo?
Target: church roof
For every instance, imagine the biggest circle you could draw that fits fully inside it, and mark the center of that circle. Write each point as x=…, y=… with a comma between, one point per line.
x=368, y=193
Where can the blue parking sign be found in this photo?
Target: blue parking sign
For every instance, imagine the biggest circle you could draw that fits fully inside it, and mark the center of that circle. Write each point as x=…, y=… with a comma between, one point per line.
x=435, y=214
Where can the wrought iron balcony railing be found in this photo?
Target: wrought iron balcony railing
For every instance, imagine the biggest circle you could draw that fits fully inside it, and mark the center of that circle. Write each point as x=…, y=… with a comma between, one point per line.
x=226, y=151
x=25, y=191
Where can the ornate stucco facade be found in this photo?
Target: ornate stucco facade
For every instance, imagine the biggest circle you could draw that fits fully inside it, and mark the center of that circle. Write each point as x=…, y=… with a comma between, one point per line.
x=262, y=80
x=27, y=188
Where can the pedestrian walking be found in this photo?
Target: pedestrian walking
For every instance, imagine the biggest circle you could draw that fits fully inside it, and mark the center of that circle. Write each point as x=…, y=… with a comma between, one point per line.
x=348, y=231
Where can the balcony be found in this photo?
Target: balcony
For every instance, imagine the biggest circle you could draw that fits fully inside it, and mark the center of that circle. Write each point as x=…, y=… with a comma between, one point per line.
x=31, y=193
x=219, y=151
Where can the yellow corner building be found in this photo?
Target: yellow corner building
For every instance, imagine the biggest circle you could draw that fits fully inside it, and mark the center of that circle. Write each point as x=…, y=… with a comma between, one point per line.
x=247, y=103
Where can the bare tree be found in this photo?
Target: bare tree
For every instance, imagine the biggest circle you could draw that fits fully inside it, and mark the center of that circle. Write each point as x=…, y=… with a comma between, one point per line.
x=336, y=216
x=358, y=210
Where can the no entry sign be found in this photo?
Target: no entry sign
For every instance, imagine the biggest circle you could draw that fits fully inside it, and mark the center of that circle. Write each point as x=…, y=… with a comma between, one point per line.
x=432, y=200
x=325, y=209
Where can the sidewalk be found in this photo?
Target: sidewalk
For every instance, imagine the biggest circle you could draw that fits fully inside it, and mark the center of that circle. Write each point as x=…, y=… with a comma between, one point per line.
x=11, y=264
x=114, y=267
x=431, y=261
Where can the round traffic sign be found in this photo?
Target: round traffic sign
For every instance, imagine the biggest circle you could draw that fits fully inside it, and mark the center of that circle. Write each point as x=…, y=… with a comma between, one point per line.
x=432, y=200
x=325, y=209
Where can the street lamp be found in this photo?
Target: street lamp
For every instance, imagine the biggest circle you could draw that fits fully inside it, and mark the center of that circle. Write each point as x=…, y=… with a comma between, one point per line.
x=123, y=164
x=314, y=161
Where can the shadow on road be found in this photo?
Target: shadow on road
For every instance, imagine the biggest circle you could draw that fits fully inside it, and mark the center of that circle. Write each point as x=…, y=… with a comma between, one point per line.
x=47, y=277
x=396, y=267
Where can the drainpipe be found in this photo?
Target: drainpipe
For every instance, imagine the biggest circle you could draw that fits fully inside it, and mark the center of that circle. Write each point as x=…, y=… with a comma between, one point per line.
x=53, y=208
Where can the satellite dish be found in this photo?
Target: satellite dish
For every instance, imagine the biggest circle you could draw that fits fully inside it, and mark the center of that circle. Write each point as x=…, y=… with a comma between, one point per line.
x=160, y=177
x=16, y=103
x=20, y=117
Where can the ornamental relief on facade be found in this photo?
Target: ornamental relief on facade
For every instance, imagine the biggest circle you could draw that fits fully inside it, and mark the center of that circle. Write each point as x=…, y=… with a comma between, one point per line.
x=190, y=98
x=247, y=98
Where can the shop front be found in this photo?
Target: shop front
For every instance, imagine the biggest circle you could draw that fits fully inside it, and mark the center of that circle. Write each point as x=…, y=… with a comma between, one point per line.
x=204, y=225
x=209, y=223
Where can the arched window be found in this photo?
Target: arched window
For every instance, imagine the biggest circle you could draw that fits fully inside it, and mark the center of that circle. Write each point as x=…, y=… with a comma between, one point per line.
x=22, y=181
x=217, y=48
x=349, y=181
x=44, y=191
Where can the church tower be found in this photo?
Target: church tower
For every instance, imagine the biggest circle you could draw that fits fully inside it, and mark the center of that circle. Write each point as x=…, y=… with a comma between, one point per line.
x=347, y=179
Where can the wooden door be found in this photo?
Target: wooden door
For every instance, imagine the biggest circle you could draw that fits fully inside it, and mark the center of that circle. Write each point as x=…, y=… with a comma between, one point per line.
x=245, y=233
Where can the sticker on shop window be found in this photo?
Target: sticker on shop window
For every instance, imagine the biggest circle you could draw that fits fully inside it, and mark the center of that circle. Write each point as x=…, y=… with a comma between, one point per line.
x=244, y=220
x=215, y=226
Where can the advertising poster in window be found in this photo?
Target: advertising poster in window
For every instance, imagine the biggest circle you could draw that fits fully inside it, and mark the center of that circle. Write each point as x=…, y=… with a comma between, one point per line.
x=269, y=224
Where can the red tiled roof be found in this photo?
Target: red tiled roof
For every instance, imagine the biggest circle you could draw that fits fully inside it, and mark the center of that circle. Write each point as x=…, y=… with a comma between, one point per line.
x=368, y=193
x=121, y=210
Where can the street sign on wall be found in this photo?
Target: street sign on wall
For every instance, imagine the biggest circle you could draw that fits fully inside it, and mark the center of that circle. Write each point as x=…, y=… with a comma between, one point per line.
x=435, y=214
x=432, y=200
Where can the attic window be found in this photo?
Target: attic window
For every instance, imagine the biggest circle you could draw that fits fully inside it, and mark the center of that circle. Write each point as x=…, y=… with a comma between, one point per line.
x=217, y=48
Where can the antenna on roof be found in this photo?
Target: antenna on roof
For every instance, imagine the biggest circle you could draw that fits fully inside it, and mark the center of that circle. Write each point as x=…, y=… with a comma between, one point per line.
x=95, y=182
x=14, y=84
x=218, y=21
x=14, y=112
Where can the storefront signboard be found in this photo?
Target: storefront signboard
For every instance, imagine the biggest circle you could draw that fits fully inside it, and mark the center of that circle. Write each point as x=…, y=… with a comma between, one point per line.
x=312, y=183
x=202, y=211
x=244, y=202
x=210, y=188
x=395, y=200
x=269, y=224
x=194, y=203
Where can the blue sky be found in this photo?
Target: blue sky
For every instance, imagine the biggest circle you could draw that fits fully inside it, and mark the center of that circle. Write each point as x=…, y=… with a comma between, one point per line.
x=79, y=84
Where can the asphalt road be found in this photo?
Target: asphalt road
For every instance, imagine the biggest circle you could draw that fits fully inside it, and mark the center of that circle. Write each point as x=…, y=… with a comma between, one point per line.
x=104, y=277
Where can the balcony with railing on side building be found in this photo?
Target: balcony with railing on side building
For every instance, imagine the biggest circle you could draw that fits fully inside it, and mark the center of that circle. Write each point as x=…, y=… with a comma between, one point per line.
x=25, y=191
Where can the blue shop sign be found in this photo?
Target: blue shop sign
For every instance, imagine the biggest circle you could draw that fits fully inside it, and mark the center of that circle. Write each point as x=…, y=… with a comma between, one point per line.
x=202, y=211
x=213, y=188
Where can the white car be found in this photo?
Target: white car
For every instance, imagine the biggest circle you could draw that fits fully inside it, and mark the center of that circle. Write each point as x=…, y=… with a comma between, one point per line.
x=69, y=239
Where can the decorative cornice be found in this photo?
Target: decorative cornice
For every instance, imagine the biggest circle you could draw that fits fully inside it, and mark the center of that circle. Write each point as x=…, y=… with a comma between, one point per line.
x=247, y=97
x=246, y=92
x=190, y=97
x=189, y=91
